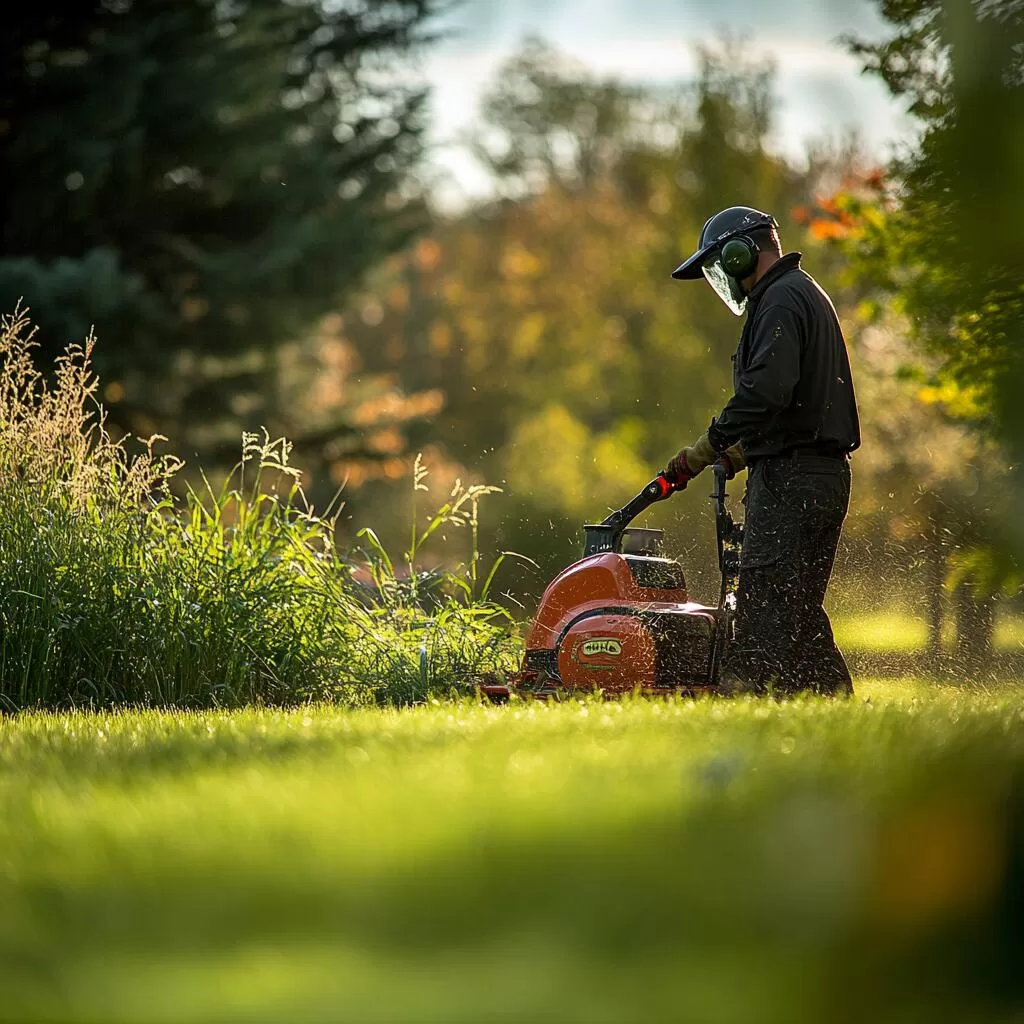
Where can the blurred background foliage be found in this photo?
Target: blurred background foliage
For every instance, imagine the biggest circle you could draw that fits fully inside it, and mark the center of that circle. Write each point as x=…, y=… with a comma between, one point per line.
x=201, y=181
x=234, y=196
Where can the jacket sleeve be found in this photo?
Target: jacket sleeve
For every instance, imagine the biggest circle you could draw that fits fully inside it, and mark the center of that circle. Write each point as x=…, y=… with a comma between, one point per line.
x=765, y=386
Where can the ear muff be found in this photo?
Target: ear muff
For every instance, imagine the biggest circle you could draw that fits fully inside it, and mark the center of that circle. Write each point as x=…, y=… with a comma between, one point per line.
x=739, y=257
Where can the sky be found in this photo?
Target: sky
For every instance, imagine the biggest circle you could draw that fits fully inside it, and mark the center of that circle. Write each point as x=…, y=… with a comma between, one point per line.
x=820, y=88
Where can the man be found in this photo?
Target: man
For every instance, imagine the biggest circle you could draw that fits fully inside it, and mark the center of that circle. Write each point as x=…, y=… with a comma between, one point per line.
x=793, y=420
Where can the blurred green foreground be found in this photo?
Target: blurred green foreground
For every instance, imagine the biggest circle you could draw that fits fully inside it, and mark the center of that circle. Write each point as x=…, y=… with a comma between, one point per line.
x=636, y=861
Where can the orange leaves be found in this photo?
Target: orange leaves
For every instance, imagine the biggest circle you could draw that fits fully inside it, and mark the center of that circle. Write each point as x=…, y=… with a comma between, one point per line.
x=393, y=407
x=518, y=261
x=828, y=230
x=354, y=474
x=828, y=205
x=875, y=180
x=390, y=440
x=827, y=220
x=845, y=213
x=381, y=421
x=427, y=254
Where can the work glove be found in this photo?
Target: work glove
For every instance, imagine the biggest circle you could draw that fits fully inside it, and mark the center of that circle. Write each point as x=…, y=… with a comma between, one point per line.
x=691, y=461
x=733, y=460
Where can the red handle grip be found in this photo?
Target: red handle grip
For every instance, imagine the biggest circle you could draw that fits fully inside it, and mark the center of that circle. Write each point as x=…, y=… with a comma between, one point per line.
x=667, y=485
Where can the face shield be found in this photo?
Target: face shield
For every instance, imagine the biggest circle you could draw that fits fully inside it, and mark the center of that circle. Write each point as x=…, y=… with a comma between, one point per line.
x=728, y=289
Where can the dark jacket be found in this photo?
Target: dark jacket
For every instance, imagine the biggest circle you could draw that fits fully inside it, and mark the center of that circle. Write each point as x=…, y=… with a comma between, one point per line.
x=791, y=372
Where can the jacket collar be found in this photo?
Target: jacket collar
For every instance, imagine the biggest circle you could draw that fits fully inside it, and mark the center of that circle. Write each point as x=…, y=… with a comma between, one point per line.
x=791, y=261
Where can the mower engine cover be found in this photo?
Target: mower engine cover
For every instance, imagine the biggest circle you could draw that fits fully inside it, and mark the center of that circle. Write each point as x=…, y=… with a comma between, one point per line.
x=616, y=623
x=657, y=650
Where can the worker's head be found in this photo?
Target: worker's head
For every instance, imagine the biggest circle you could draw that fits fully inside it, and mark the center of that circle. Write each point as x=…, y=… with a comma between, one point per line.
x=736, y=246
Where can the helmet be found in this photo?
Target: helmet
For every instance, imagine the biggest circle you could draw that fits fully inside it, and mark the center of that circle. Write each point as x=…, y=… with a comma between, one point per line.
x=727, y=254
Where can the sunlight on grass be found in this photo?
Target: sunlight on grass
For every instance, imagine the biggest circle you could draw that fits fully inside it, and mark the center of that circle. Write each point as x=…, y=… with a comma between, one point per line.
x=901, y=632
x=1009, y=634
x=574, y=862
x=881, y=631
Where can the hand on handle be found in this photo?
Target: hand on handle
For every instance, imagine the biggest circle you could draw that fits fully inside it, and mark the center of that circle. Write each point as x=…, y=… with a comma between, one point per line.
x=678, y=473
x=733, y=461
x=668, y=483
x=693, y=460
x=690, y=461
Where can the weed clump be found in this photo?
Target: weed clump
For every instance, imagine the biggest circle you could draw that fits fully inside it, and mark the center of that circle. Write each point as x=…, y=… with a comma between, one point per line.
x=115, y=589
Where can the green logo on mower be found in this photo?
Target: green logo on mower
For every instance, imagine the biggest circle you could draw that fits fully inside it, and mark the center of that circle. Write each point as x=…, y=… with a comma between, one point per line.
x=602, y=645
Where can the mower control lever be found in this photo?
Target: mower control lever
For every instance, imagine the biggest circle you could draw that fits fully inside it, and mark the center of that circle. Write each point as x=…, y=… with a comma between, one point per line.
x=729, y=532
x=719, y=495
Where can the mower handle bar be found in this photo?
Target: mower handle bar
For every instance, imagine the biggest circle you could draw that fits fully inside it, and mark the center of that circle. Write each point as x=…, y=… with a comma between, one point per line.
x=728, y=533
x=660, y=488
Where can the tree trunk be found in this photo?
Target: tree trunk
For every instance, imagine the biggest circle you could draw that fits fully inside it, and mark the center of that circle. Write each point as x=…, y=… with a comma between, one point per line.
x=975, y=626
x=935, y=579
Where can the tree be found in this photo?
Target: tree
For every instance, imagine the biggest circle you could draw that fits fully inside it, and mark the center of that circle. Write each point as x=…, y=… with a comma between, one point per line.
x=201, y=181
x=945, y=242
x=949, y=245
x=547, y=120
x=573, y=365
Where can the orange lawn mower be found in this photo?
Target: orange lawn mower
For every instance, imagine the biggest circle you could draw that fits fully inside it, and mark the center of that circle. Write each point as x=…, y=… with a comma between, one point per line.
x=620, y=619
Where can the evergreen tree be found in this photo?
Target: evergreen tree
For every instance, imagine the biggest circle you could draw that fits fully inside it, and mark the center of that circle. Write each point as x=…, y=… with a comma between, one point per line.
x=201, y=180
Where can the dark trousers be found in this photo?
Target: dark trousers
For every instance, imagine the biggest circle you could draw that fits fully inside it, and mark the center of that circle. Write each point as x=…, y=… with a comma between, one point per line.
x=795, y=507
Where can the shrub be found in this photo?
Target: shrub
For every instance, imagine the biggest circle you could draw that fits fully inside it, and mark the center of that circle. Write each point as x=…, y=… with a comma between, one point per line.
x=114, y=589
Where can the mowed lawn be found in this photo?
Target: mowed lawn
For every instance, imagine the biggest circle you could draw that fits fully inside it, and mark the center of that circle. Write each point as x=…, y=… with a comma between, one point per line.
x=638, y=861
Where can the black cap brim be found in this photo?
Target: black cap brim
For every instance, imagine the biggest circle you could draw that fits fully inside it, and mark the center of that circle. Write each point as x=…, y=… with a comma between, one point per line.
x=692, y=270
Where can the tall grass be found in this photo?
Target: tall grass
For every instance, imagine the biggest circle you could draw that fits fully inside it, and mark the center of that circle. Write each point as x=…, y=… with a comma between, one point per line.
x=116, y=589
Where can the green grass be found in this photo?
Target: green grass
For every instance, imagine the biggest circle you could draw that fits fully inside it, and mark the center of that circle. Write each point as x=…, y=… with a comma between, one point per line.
x=637, y=861
x=120, y=586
